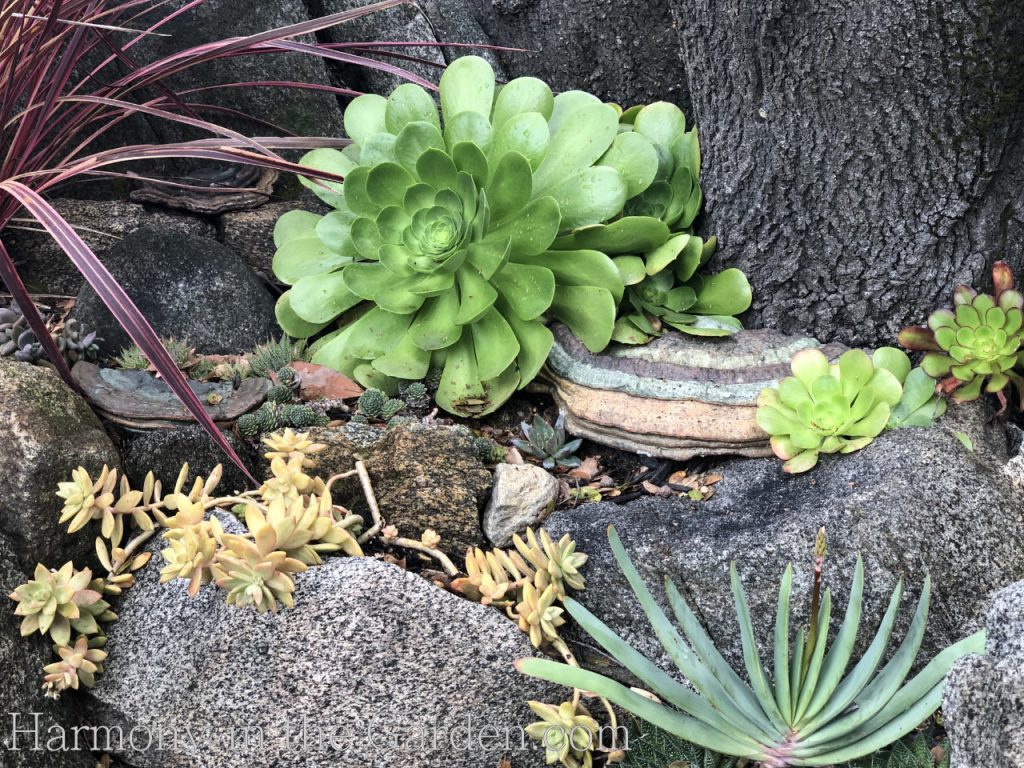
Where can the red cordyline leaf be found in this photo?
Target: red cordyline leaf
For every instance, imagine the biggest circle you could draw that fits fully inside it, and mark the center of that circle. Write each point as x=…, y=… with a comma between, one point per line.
x=50, y=114
x=121, y=305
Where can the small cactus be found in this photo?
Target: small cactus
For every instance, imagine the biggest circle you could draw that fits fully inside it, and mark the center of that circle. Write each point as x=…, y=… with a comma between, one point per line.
x=301, y=416
x=374, y=405
x=280, y=393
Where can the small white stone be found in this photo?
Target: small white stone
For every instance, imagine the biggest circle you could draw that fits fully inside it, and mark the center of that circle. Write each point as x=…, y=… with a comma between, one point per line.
x=522, y=496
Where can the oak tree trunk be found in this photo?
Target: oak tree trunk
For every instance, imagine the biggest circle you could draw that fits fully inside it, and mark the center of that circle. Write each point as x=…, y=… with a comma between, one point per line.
x=860, y=158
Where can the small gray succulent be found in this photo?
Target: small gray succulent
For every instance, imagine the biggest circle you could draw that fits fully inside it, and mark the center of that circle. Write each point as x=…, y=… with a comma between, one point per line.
x=547, y=443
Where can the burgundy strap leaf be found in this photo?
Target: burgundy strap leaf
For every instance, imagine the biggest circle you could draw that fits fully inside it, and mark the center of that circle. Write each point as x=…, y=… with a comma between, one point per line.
x=123, y=308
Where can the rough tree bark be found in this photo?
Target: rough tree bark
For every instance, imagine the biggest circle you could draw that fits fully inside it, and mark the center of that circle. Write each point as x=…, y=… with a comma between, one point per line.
x=860, y=158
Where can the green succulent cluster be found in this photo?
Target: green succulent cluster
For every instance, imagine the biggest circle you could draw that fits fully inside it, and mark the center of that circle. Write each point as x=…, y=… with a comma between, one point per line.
x=820, y=708
x=453, y=243
x=664, y=290
x=375, y=405
x=274, y=355
x=977, y=344
x=841, y=407
x=272, y=416
x=489, y=451
x=547, y=443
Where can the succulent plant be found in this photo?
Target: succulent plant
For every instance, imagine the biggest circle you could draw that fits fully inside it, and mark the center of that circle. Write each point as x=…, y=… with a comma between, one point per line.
x=547, y=443
x=73, y=339
x=558, y=561
x=272, y=416
x=538, y=615
x=292, y=445
x=449, y=233
x=181, y=351
x=663, y=290
x=377, y=406
x=492, y=577
x=280, y=394
x=256, y=573
x=567, y=731
x=811, y=715
x=57, y=602
x=489, y=451
x=977, y=344
x=301, y=528
x=79, y=665
x=290, y=378
x=830, y=408
x=190, y=553
x=272, y=356
x=302, y=416
x=416, y=397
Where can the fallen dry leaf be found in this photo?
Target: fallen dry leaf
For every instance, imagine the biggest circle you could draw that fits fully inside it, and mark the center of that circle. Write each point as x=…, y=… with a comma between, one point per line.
x=676, y=478
x=656, y=490
x=586, y=471
x=317, y=382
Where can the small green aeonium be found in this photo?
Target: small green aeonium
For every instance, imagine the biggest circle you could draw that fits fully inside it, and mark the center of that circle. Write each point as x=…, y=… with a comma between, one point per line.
x=841, y=407
x=453, y=244
x=664, y=289
x=977, y=343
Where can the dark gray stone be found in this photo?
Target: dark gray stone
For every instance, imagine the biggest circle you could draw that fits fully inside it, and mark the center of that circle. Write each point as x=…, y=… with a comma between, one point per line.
x=914, y=502
x=424, y=476
x=163, y=451
x=304, y=112
x=24, y=711
x=187, y=287
x=984, y=697
x=102, y=224
x=368, y=649
x=48, y=432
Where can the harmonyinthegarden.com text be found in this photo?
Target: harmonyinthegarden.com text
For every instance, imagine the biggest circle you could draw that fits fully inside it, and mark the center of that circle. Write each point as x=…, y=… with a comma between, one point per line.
x=29, y=732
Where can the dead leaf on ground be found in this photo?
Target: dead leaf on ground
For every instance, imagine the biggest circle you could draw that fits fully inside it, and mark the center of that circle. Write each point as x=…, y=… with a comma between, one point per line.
x=656, y=490
x=318, y=382
x=587, y=470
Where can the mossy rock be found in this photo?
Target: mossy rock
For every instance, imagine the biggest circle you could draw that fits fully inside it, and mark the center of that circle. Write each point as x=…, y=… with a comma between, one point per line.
x=48, y=432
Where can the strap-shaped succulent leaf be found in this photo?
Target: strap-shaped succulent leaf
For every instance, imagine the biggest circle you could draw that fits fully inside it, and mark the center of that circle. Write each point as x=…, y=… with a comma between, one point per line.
x=817, y=711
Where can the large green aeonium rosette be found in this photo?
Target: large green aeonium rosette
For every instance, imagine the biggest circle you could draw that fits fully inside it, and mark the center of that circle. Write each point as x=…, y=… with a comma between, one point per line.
x=448, y=233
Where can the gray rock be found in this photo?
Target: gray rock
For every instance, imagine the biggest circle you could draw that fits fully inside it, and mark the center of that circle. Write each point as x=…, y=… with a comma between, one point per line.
x=163, y=451
x=304, y=112
x=373, y=657
x=48, y=432
x=424, y=476
x=404, y=22
x=521, y=497
x=251, y=233
x=102, y=224
x=912, y=503
x=24, y=711
x=984, y=697
x=187, y=287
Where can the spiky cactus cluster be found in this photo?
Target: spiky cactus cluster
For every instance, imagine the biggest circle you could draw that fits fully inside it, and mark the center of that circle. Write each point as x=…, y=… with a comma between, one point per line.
x=272, y=416
x=375, y=405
